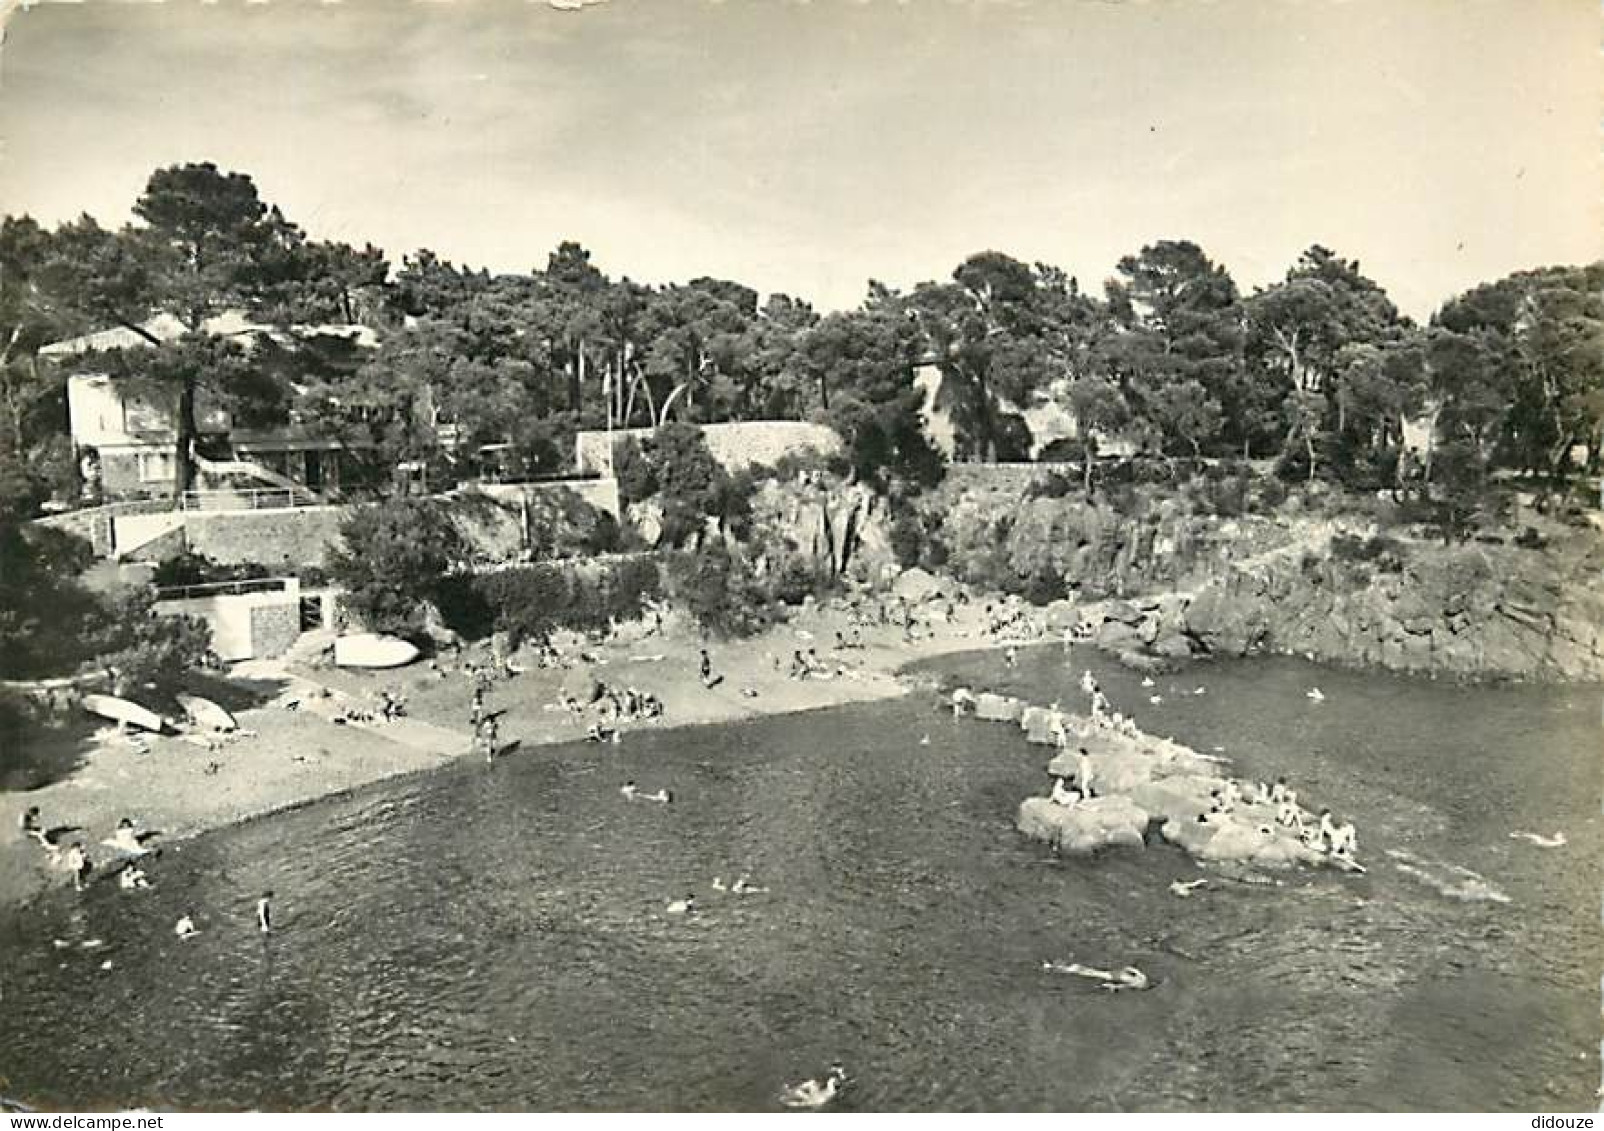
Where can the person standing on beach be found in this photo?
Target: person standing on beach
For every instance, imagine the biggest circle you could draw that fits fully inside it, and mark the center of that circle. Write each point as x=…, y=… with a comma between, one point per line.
x=476, y=711
x=489, y=737
x=77, y=862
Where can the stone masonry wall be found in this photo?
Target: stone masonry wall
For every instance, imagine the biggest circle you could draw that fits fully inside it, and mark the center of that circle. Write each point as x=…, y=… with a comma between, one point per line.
x=274, y=628
x=300, y=537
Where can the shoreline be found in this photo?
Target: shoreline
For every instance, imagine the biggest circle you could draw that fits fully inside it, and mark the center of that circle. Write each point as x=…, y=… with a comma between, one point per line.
x=297, y=758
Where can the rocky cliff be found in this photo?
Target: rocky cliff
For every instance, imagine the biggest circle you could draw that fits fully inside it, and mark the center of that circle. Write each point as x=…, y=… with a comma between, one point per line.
x=1474, y=610
x=1298, y=576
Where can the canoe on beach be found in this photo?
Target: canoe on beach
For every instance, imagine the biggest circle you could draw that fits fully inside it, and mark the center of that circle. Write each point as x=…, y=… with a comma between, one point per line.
x=371, y=650
x=123, y=711
x=208, y=714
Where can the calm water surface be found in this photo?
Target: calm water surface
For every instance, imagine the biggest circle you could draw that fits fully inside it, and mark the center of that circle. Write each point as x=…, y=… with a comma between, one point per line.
x=477, y=938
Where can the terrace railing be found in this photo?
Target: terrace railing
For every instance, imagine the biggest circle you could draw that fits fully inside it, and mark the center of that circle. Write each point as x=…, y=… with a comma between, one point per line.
x=248, y=499
x=224, y=588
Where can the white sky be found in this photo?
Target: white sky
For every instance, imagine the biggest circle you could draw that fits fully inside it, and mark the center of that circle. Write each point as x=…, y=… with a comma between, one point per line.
x=807, y=147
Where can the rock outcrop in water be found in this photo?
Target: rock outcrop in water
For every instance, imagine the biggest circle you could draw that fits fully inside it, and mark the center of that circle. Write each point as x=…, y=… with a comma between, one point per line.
x=1102, y=822
x=1142, y=781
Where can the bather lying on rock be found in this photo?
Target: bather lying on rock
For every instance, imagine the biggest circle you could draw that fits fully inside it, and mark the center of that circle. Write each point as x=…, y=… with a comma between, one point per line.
x=1244, y=836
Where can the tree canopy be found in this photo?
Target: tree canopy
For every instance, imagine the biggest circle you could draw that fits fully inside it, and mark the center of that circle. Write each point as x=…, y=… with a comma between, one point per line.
x=1319, y=369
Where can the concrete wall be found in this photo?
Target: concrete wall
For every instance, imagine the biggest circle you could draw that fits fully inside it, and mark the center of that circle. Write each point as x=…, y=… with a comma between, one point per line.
x=735, y=445
x=246, y=626
x=93, y=526
x=299, y=537
x=132, y=531
x=599, y=493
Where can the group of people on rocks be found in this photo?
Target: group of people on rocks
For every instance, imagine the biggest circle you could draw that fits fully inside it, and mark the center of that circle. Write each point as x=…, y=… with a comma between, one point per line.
x=1340, y=841
x=1081, y=780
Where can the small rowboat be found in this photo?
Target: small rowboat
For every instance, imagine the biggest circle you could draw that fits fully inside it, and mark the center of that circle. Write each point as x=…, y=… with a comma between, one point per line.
x=371, y=650
x=122, y=711
x=208, y=714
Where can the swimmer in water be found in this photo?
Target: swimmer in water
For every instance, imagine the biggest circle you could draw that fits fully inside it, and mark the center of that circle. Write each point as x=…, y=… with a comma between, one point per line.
x=686, y=906
x=132, y=878
x=185, y=928
x=662, y=797
x=1278, y=791
x=630, y=790
x=1125, y=978
x=264, y=913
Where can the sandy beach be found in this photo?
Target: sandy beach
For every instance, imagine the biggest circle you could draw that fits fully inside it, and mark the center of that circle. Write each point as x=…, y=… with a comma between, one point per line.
x=290, y=757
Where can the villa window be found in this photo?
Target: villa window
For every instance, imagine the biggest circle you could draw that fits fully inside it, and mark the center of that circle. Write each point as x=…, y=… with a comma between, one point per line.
x=155, y=467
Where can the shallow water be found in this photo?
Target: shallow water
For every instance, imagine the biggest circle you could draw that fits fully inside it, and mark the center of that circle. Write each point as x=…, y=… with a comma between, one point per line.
x=476, y=938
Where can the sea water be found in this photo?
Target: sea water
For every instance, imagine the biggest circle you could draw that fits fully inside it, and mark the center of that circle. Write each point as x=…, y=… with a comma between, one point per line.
x=497, y=937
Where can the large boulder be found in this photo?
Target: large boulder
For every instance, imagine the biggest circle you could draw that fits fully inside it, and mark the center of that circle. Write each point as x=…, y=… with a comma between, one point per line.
x=998, y=708
x=1117, y=636
x=1123, y=612
x=915, y=585
x=1245, y=836
x=1175, y=647
x=1061, y=614
x=1077, y=830
x=1181, y=796
x=1037, y=723
x=647, y=519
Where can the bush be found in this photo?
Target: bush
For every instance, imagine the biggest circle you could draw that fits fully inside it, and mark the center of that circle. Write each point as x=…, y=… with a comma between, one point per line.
x=1385, y=553
x=1043, y=587
x=393, y=559
x=796, y=579
x=1052, y=485
x=717, y=589
x=190, y=568
x=1124, y=498
x=1272, y=494
x=675, y=466
x=907, y=538
x=44, y=611
x=1220, y=493
x=531, y=602
x=143, y=649
x=636, y=475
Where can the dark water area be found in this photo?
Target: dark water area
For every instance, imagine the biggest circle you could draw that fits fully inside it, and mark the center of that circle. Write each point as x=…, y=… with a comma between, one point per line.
x=492, y=938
